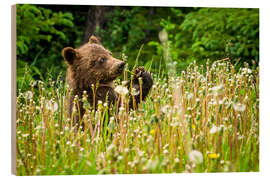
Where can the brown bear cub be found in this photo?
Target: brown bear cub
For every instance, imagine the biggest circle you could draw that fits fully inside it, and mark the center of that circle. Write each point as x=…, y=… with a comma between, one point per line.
x=92, y=64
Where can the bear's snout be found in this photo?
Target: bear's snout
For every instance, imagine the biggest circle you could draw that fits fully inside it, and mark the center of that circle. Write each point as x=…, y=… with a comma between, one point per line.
x=121, y=66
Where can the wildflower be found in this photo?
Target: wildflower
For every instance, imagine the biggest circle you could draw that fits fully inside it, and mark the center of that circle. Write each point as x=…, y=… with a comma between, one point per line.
x=239, y=107
x=126, y=150
x=149, y=139
x=37, y=108
x=100, y=102
x=141, y=153
x=37, y=171
x=212, y=155
x=28, y=95
x=166, y=151
x=164, y=108
x=25, y=135
x=52, y=105
x=247, y=70
x=121, y=109
x=216, y=89
x=163, y=36
x=190, y=95
x=213, y=102
x=222, y=162
x=222, y=101
x=174, y=124
x=134, y=92
x=214, y=129
x=121, y=90
x=38, y=127
x=119, y=158
x=195, y=157
x=68, y=142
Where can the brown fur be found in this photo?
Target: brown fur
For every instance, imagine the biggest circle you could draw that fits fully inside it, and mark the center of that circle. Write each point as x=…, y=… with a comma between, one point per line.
x=91, y=64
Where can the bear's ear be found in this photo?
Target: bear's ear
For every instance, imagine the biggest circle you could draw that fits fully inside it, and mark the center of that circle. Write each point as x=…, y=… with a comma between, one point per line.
x=94, y=40
x=69, y=54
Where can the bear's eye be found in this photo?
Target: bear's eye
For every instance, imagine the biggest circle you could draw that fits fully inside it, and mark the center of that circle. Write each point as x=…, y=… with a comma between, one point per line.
x=102, y=60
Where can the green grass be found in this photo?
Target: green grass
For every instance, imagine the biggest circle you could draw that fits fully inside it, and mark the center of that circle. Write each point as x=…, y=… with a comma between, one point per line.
x=205, y=120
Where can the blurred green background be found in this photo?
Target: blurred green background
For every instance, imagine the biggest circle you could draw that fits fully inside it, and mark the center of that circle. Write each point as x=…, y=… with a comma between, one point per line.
x=176, y=34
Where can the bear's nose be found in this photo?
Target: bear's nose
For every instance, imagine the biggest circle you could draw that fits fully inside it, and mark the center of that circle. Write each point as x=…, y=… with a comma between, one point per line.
x=121, y=65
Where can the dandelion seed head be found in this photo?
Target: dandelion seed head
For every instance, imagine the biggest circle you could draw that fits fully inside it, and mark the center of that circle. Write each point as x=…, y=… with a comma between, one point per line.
x=239, y=107
x=119, y=158
x=52, y=105
x=195, y=157
x=164, y=109
x=28, y=95
x=121, y=109
x=37, y=170
x=121, y=90
x=163, y=36
x=190, y=96
x=214, y=129
x=217, y=89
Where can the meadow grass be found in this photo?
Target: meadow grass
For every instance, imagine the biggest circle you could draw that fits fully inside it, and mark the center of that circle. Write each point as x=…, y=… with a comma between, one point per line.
x=204, y=120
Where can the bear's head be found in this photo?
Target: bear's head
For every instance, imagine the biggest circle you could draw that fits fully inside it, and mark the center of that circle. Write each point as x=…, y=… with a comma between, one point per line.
x=92, y=63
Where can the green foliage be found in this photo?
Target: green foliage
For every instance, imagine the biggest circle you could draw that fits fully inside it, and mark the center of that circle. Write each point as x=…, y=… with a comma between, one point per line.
x=130, y=27
x=42, y=33
x=35, y=25
x=24, y=75
x=214, y=33
x=193, y=34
